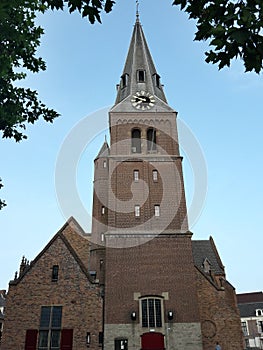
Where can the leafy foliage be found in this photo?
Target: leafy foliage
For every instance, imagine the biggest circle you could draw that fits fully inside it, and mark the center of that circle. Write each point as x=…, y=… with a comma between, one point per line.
x=234, y=28
x=87, y=8
x=2, y=203
x=19, y=39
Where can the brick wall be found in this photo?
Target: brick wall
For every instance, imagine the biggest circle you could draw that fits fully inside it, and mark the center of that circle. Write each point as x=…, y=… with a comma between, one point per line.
x=80, y=300
x=220, y=320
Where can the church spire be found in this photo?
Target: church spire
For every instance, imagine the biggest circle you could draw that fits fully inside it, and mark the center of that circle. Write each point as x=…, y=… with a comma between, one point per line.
x=137, y=11
x=139, y=71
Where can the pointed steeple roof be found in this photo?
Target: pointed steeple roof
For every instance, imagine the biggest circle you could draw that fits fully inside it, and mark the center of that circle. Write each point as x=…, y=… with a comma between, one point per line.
x=104, y=151
x=139, y=71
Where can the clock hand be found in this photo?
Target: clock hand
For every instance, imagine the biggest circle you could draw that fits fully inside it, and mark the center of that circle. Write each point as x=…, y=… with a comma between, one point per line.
x=142, y=99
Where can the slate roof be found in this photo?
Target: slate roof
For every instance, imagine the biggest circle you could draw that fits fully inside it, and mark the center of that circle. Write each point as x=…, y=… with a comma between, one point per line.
x=139, y=58
x=203, y=249
x=104, y=151
x=249, y=309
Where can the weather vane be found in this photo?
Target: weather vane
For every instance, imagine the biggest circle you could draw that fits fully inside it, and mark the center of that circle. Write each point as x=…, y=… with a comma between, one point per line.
x=137, y=9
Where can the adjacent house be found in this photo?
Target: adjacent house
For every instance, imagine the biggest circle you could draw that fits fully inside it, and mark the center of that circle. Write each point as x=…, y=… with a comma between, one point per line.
x=251, y=312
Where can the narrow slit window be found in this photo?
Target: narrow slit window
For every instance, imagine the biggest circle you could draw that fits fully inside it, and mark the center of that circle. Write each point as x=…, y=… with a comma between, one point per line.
x=102, y=210
x=137, y=210
x=156, y=210
x=136, y=175
x=155, y=175
x=104, y=164
x=141, y=76
x=55, y=269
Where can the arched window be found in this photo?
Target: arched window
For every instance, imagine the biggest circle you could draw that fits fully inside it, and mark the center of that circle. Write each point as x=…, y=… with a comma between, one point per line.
x=151, y=140
x=151, y=312
x=136, y=141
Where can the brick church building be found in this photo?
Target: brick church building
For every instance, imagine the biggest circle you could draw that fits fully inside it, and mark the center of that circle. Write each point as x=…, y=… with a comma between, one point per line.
x=138, y=280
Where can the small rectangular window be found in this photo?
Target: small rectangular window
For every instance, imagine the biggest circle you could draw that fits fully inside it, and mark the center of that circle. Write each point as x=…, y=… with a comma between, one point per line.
x=155, y=175
x=104, y=164
x=137, y=210
x=141, y=76
x=102, y=237
x=100, y=338
x=102, y=210
x=55, y=269
x=244, y=328
x=156, y=210
x=136, y=175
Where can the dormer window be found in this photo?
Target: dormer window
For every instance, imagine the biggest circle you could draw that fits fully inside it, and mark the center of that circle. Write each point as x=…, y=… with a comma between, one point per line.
x=207, y=266
x=157, y=80
x=141, y=76
x=124, y=80
x=259, y=312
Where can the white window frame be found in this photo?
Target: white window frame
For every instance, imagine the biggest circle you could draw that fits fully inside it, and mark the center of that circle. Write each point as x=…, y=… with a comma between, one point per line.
x=155, y=175
x=137, y=211
x=136, y=175
x=157, y=210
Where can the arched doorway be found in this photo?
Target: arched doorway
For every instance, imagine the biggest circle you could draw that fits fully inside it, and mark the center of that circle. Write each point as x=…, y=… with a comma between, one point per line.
x=152, y=341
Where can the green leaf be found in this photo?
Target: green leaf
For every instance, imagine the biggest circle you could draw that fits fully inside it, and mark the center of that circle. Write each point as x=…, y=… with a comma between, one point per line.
x=239, y=35
x=180, y=2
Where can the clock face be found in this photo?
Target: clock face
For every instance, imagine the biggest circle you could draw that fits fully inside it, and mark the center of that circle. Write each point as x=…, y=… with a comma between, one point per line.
x=143, y=100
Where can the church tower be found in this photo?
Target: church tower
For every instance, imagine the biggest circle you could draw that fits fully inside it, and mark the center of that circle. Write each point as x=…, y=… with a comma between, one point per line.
x=141, y=223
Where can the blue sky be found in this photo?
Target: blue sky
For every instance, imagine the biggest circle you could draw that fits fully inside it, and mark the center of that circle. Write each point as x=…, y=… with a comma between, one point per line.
x=223, y=110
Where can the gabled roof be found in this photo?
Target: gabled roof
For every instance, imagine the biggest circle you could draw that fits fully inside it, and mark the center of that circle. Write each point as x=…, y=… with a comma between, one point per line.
x=206, y=249
x=74, y=225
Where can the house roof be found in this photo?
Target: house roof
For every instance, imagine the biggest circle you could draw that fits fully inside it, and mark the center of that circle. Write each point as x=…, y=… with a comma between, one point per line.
x=73, y=225
x=249, y=297
x=206, y=249
x=249, y=309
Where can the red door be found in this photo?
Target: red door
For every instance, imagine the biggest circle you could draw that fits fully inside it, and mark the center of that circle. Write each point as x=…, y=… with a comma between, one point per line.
x=152, y=341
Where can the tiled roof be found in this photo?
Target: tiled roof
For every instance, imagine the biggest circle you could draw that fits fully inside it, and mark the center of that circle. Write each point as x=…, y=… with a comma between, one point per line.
x=249, y=309
x=206, y=249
